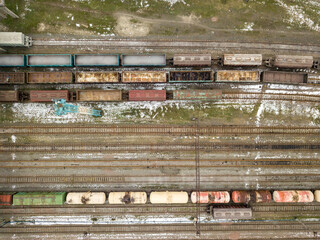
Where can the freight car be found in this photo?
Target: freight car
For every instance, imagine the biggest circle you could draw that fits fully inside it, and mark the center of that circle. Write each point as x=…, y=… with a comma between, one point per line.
x=293, y=196
x=49, y=77
x=251, y=196
x=96, y=60
x=12, y=78
x=168, y=197
x=9, y=96
x=237, y=76
x=143, y=77
x=96, y=77
x=317, y=195
x=99, y=95
x=293, y=61
x=230, y=212
x=197, y=94
x=192, y=60
x=127, y=197
x=211, y=197
x=39, y=198
x=284, y=77
x=6, y=199
x=242, y=59
x=49, y=60
x=86, y=198
x=147, y=95
x=153, y=60
x=190, y=76
x=48, y=95
x=12, y=60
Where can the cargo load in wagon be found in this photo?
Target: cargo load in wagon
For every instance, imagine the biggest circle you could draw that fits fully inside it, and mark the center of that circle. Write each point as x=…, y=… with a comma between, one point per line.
x=49, y=77
x=49, y=60
x=237, y=76
x=99, y=95
x=12, y=78
x=127, y=198
x=147, y=95
x=198, y=94
x=143, y=77
x=143, y=59
x=86, y=198
x=192, y=60
x=284, y=77
x=242, y=59
x=106, y=60
x=9, y=96
x=293, y=61
x=96, y=77
x=12, y=60
x=191, y=76
x=39, y=198
x=48, y=95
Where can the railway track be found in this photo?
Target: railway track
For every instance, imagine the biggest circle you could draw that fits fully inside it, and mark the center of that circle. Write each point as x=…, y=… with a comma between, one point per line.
x=151, y=147
x=154, y=129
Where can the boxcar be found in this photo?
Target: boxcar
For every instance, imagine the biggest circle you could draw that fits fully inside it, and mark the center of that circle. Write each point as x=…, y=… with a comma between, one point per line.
x=48, y=95
x=313, y=78
x=237, y=76
x=127, y=197
x=147, y=95
x=6, y=199
x=106, y=60
x=211, y=197
x=251, y=196
x=192, y=59
x=197, y=94
x=96, y=77
x=169, y=197
x=284, y=77
x=191, y=76
x=293, y=61
x=39, y=198
x=317, y=195
x=49, y=60
x=143, y=60
x=242, y=59
x=12, y=60
x=12, y=78
x=144, y=77
x=293, y=196
x=230, y=212
x=9, y=96
x=99, y=95
x=86, y=198
x=49, y=77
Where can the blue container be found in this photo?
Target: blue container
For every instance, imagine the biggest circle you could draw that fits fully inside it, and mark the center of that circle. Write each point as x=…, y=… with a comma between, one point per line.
x=101, y=60
x=49, y=60
x=12, y=60
x=143, y=60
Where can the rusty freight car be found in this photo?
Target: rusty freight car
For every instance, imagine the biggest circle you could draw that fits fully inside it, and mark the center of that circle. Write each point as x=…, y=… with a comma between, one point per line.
x=147, y=95
x=192, y=60
x=12, y=78
x=99, y=95
x=242, y=59
x=284, y=77
x=197, y=94
x=144, y=77
x=9, y=96
x=5, y=199
x=191, y=76
x=96, y=77
x=49, y=77
x=48, y=95
x=293, y=61
x=237, y=76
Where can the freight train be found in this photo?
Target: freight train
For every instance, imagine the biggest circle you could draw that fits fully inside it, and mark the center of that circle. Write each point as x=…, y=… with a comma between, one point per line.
x=154, y=60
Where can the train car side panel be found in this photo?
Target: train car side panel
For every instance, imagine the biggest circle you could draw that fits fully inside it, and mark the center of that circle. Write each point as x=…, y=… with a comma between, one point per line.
x=192, y=60
x=12, y=60
x=96, y=77
x=168, y=197
x=86, y=198
x=49, y=77
x=237, y=76
x=197, y=94
x=143, y=60
x=12, y=78
x=9, y=96
x=293, y=61
x=39, y=198
x=284, y=77
x=191, y=76
x=147, y=95
x=242, y=59
x=48, y=95
x=99, y=95
x=106, y=60
x=144, y=77
x=49, y=60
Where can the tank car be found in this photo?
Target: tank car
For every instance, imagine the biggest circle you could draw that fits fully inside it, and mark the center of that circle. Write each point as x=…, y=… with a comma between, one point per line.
x=251, y=196
x=86, y=198
x=127, y=198
x=211, y=197
x=168, y=197
x=293, y=196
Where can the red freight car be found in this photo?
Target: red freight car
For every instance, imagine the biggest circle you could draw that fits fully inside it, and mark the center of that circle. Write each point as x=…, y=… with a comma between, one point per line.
x=5, y=199
x=47, y=96
x=147, y=95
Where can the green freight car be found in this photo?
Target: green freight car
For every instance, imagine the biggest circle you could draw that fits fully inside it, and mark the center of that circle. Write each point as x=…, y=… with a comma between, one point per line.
x=198, y=94
x=39, y=198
